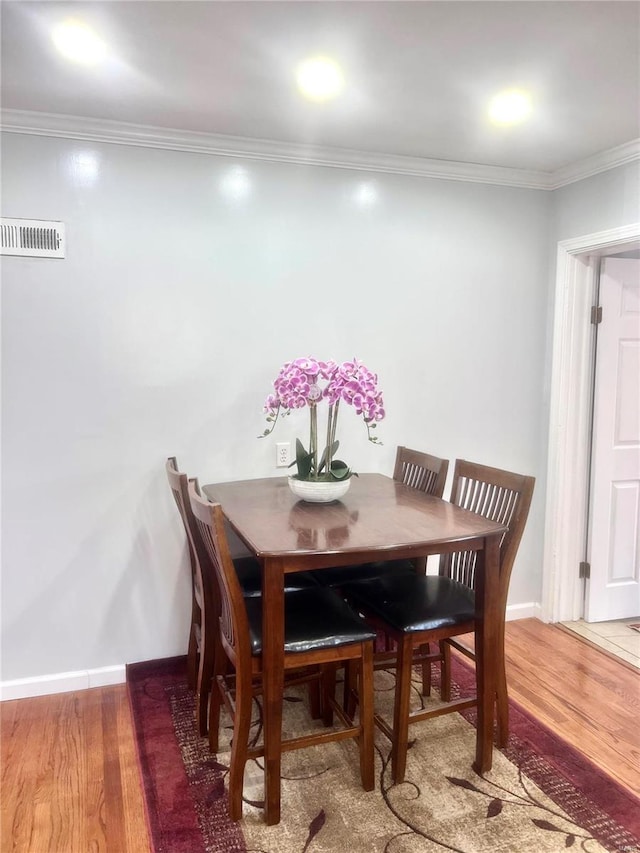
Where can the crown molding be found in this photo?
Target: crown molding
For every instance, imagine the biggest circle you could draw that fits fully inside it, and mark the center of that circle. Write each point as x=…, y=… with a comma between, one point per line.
x=601, y=162
x=121, y=133
x=145, y=136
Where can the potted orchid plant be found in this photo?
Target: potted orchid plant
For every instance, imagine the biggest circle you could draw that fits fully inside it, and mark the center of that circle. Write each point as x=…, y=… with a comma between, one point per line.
x=307, y=382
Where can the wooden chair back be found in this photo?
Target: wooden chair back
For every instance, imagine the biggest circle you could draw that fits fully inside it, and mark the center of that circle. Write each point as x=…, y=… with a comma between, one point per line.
x=195, y=662
x=421, y=471
x=495, y=494
x=213, y=554
x=178, y=482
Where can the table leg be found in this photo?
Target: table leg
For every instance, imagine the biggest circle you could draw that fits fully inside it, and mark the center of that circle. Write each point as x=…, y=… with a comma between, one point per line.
x=273, y=682
x=487, y=588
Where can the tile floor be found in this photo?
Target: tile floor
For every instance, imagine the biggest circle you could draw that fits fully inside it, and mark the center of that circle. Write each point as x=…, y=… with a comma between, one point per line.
x=616, y=637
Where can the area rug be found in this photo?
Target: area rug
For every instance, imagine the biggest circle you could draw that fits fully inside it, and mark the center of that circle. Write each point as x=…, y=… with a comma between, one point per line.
x=540, y=797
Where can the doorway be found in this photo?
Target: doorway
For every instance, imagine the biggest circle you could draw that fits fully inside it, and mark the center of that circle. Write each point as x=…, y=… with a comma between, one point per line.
x=612, y=582
x=570, y=418
x=612, y=589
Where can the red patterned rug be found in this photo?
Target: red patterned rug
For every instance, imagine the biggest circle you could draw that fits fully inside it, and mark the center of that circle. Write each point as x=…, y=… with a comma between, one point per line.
x=541, y=795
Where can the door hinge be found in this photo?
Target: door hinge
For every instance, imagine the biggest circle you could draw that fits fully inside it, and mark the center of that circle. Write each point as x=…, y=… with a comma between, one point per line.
x=584, y=570
x=596, y=314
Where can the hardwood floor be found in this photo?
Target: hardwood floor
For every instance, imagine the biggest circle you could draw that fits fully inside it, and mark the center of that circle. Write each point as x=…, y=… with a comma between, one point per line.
x=589, y=698
x=70, y=779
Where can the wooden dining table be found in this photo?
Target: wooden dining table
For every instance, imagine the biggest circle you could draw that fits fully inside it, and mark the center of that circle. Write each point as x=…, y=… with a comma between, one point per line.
x=378, y=519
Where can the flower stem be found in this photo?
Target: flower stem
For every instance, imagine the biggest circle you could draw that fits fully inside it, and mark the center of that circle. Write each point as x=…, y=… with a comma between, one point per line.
x=328, y=453
x=313, y=438
x=334, y=423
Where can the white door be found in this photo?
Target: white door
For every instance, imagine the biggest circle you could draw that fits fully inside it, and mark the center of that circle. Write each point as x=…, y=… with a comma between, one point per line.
x=613, y=590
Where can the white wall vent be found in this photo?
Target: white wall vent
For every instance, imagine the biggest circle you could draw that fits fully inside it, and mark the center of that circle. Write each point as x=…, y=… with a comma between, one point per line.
x=35, y=238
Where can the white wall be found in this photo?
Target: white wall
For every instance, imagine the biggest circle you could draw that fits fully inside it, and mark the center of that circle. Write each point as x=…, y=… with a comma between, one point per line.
x=607, y=200
x=162, y=330
x=602, y=202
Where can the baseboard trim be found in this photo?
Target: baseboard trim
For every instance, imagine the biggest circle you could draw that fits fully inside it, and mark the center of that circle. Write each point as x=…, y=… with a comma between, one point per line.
x=65, y=682
x=524, y=611
x=62, y=682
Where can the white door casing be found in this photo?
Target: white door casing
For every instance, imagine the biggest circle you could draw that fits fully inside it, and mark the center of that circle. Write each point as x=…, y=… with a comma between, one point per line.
x=613, y=589
x=570, y=419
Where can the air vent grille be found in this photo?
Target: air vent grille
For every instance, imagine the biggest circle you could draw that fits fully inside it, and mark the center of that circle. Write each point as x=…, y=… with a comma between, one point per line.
x=35, y=238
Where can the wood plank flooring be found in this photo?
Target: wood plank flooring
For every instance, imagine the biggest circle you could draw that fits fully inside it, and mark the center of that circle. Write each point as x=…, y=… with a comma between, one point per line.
x=589, y=698
x=70, y=780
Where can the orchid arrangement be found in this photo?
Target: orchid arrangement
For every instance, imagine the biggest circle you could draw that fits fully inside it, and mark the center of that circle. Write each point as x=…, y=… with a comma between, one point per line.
x=309, y=382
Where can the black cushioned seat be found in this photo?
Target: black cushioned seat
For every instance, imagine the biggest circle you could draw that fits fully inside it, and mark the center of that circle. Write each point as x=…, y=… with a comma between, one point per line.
x=410, y=603
x=339, y=576
x=313, y=618
x=250, y=577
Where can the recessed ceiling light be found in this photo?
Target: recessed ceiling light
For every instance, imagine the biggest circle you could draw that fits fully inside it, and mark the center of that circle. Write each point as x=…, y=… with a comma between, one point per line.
x=79, y=43
x=510, y=107
x=319, y=78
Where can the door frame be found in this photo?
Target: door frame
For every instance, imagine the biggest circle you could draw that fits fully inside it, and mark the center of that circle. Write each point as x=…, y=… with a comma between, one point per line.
x=570, y=418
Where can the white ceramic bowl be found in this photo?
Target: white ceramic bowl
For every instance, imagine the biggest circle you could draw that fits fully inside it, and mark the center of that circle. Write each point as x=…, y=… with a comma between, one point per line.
x=319, y=492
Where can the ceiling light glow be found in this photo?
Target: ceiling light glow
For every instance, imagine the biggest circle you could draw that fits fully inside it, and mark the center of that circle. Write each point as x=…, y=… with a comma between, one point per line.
x=319, y=78
x=510, y=107
x=236, y=184
x=365, y=194
x=85, y=168
x=78, y=42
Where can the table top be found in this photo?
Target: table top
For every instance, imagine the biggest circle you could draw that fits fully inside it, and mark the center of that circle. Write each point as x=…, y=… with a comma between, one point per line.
x=377, y=514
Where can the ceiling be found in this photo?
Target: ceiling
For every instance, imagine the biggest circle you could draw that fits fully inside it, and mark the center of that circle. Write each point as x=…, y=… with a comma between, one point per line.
x=418, y=75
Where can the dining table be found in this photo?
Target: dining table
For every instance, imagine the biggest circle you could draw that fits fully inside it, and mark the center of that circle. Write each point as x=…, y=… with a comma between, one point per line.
x=377, y=519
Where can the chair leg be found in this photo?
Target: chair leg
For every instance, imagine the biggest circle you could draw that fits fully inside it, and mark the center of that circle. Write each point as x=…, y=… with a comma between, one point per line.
x=192, y=659
x=502, y=696
x=241, y=727
x=401, y=709
x=314, y=699
x=205, y=674
x=221, y=667
x=426, y=670
x=445, y=671
x=328, y=691
x=365, y=692
x=349, y=701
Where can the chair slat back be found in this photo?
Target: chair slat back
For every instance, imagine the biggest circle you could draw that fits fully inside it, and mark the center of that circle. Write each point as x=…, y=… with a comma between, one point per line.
x=178, y=482
x=421, y=471
x=214, y=556
x=500, y=496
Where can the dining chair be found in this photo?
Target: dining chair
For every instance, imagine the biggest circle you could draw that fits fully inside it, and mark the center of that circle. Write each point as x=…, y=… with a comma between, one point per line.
x=321, y=632
x=500, y=496
x=415, y=469
x=201, y=647
x=178, y=484
x=415, y=610
x=504, y=497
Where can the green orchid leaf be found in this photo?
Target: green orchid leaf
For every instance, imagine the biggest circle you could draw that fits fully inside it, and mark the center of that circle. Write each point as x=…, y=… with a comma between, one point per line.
x=304, y=467
x=304, y=461
x=323, y=460
x=339, y=470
